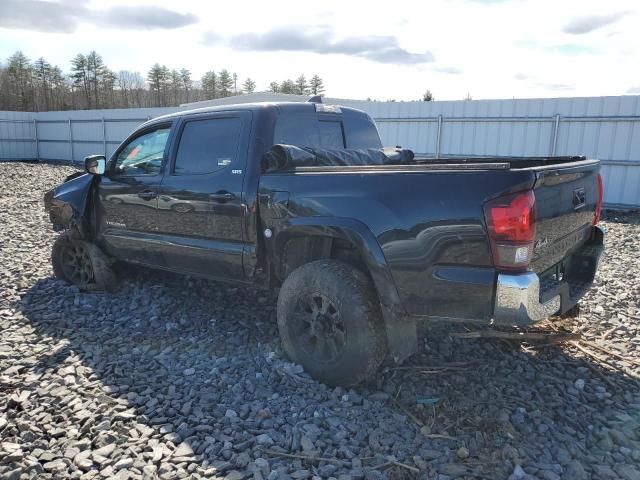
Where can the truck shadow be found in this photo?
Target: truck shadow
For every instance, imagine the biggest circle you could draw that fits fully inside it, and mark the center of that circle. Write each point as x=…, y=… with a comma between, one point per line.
x=196, y=377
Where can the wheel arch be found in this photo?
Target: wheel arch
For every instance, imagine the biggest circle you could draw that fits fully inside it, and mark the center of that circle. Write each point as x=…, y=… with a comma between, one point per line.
x=304, y=240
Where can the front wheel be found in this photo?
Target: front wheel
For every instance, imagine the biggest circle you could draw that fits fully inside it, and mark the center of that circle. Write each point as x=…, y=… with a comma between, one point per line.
x=81, y=263
x=330, y=322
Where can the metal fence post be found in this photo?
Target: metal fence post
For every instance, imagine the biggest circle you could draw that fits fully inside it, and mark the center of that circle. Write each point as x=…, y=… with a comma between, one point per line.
x=439, y=136
x=554, y=142
x=35, y=135
x=104, y=137
x=71, y=140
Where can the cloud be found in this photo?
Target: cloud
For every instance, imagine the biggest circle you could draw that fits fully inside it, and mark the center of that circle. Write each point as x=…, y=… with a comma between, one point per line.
x=64, y=17
x=558, y=87
x=322, y=40
x=40, y=15
x=586, y=24
x=634, y=90
x=564, y=48
x=211, y=38
x=147, y=17
x=521, y=76
x=449, y=70
x=573, y=49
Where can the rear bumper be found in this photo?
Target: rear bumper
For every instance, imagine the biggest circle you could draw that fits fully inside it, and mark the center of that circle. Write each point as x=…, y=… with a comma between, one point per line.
x=526, y=298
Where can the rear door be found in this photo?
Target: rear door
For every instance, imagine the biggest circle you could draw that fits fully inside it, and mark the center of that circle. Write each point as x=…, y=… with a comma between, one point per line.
x=200, y=199
x=128, y=196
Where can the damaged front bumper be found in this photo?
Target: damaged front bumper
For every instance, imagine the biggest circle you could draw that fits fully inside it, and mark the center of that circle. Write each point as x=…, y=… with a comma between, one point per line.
x=67, y=202
x=526, y=298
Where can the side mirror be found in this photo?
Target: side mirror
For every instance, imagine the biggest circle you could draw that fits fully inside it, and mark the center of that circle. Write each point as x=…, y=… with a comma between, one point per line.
x=95, y=164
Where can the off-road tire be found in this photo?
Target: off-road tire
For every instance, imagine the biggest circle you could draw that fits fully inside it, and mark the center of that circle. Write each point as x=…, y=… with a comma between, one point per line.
x=352, y=296
x=102, y=275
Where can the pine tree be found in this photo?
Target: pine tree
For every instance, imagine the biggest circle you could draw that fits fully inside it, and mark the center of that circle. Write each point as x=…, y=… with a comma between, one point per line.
x=96, y=70
x=165, y=86
x=42, y=74
x=288, y=86
x=80, y=76
x=225, y=83
x=20, y=74
x=157, y=79
x=428, y=96
x=187, y=83
x=106, y=87
x=175, y=85
x=249, y=86
x=316, y=85
x=59, y=90
x=302, y=88
x=274, y=87
x=210, y=85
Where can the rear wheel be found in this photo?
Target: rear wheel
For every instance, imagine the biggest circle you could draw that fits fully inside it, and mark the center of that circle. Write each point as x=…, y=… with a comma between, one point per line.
x=82, y=263
x=330, y=322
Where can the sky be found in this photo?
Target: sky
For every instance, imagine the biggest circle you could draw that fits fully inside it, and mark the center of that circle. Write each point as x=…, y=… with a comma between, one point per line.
x=380, y=50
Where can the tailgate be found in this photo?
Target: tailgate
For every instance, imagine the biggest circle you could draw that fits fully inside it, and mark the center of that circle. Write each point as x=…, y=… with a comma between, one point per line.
x=566, y=201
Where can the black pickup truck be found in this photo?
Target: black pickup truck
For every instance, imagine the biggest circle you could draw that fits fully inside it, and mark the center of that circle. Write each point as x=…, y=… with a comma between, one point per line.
x=362, y=242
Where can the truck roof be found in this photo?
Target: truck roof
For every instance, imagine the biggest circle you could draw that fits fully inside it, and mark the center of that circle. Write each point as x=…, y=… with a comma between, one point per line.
x=282, y=107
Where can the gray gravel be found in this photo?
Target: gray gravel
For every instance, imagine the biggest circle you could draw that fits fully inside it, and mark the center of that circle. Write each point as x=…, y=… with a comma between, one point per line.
x=182, y=378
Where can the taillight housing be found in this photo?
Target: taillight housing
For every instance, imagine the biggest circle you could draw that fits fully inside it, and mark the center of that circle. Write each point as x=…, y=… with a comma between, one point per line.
x=511, y=225
x=596, y=216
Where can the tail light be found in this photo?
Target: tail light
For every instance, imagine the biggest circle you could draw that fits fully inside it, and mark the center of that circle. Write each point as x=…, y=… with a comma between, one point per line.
x=511, y=224
x=596, y=216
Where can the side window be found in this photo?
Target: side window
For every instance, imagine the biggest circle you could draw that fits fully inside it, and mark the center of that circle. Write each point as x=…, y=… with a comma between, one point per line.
x=144, y=154
x=305, y=130
x=207, y=145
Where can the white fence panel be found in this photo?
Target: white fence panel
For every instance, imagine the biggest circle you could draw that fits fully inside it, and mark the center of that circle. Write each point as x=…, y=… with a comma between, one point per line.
x=607, y=128
x=17, y=135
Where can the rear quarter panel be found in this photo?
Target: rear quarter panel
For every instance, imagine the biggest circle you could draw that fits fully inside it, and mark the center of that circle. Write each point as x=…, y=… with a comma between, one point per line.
x=429, y=225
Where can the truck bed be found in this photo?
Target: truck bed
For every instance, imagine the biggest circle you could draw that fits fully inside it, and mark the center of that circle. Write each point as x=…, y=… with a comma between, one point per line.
x=428, y=218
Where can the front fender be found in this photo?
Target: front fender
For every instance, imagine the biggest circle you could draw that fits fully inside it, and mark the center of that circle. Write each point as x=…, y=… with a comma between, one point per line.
x=401, y=329
x=67, y=203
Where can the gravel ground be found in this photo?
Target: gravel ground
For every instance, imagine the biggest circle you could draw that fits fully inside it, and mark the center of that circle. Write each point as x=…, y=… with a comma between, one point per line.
x=181, y=378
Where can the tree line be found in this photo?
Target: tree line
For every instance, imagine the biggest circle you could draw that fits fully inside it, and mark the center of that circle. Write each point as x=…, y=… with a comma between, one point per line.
x=90, y=84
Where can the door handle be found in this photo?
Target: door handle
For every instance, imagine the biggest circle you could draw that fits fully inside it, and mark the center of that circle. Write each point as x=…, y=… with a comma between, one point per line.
x=147, y=194
x=222, y=196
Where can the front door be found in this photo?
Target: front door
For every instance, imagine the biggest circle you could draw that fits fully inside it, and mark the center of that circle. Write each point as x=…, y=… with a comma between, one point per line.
x=200, y=204
x=128, y=197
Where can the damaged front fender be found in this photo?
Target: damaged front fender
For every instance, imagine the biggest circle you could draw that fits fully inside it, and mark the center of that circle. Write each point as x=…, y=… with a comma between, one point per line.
x=67, y=203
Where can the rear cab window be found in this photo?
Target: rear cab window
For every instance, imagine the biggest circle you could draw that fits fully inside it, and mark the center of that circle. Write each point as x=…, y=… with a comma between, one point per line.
x=309, y=130
x=326, y=131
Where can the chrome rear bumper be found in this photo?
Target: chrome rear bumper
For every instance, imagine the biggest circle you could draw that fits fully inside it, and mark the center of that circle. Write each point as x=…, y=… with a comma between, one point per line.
x=521, y=300
x=518, y=300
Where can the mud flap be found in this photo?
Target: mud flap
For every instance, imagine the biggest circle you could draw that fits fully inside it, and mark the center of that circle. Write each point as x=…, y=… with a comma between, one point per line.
x=402, y=334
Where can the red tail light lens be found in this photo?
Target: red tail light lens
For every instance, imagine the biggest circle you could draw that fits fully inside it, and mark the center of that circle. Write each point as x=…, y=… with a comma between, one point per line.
x=511, y=224
x=596, y=216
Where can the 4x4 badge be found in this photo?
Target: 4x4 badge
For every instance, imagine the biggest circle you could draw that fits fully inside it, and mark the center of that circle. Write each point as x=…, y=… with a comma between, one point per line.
x=578, y=198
